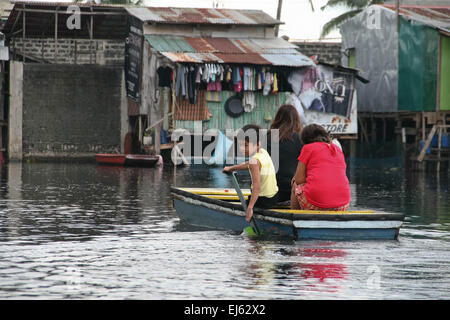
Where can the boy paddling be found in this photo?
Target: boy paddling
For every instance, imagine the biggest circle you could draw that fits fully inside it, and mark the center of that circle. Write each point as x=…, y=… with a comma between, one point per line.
x=264, y=183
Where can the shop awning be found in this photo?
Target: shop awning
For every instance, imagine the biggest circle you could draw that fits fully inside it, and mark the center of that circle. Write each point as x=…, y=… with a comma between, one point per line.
x=270, y=51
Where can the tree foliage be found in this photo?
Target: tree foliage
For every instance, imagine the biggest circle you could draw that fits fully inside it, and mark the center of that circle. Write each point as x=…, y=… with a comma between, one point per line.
x=354, y=6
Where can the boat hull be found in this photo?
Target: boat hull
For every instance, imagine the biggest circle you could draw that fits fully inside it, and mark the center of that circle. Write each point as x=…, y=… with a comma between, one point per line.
x=207, y=210
x=110, y=159
x=140, y=160
x=129, y=160
x=221, y=219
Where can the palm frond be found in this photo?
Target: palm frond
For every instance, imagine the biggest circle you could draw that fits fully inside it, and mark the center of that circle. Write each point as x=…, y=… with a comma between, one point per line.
x=335, y=22
x=352, y=4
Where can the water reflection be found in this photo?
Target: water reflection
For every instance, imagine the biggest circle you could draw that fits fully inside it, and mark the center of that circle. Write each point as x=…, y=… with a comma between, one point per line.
x=87, y=231
x=57, y=201
x=423, y=196
x=319, y=268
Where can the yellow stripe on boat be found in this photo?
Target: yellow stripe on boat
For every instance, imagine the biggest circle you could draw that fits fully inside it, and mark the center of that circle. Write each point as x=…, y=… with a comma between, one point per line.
x=221, y=197
x=317, y=211
x=216, y=191
x=323, y=211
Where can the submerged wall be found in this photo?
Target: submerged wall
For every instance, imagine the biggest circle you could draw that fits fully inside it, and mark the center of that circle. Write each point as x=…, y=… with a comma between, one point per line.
x=68, y=111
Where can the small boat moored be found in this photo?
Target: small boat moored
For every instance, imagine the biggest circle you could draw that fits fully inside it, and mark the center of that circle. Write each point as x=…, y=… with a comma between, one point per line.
x=221, y=209
x=130, y=160
x=141, y=160
x=116, y=159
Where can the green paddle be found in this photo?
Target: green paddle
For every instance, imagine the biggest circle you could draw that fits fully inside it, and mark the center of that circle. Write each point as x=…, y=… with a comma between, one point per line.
x=253, y=229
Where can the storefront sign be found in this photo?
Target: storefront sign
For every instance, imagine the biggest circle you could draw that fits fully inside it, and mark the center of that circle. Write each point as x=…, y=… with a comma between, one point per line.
x=133, y=58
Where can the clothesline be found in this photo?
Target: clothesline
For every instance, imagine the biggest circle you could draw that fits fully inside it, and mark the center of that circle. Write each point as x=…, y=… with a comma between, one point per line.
x=187, y=79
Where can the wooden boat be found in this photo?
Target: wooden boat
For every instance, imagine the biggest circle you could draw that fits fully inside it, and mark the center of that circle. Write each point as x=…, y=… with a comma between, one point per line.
x=116, y=159
x=130, y=160
x=141, y=160
x=221, y=209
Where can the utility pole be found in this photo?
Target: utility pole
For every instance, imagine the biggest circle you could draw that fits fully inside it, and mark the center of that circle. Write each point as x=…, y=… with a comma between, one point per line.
x=397, y=9
x=277, y=28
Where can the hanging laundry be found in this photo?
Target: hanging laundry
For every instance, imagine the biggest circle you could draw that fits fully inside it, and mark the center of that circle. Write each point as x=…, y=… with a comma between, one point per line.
x=164, y=76
x=258, y=79
x=198, y=76
x=248, y=101
x=191, y=85
x=268, y=83
x=181, y=84
x=236, y=75
x=214, y=86
x=237, y=79
x=275, y=84
x=228, y=77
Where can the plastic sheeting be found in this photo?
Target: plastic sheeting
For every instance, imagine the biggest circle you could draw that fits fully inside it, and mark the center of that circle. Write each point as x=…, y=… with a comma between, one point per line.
x=418, y=66
x=372, y=34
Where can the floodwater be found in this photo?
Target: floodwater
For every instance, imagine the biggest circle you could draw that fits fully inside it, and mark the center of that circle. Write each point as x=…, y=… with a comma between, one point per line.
x=84, y=231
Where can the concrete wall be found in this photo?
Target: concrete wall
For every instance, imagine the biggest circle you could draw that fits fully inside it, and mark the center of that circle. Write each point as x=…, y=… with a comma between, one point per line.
x=66, y=111
x=71, y=51
x=329, y=52
x=15, y=111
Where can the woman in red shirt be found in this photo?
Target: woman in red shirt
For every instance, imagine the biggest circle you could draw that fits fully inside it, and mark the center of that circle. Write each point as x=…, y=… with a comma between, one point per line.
x=320, y=181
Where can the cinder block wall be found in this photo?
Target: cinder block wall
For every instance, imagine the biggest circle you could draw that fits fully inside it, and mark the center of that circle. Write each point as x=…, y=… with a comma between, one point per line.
x=71, y=51
x=329, y=52
x=71, y=111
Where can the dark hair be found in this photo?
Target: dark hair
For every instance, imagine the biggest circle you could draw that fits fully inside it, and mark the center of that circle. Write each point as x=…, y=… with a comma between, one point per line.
x=247, y=129
x=315, y=133
x=287, y=121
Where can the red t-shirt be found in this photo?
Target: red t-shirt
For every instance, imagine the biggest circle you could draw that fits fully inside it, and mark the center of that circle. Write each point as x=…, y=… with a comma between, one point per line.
x=326, y=180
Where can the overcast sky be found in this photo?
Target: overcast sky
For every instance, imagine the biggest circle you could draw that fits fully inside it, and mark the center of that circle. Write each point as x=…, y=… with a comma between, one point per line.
x=300, y=21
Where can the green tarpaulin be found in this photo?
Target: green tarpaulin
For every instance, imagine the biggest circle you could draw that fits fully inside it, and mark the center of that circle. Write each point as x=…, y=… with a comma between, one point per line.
x=418, y=66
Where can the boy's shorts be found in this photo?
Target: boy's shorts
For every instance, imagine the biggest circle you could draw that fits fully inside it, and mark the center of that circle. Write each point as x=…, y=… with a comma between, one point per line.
x=264, y=202
x=305, y=205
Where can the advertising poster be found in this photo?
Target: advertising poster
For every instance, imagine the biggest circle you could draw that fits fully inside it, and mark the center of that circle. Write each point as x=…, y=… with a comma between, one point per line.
x=325, y=96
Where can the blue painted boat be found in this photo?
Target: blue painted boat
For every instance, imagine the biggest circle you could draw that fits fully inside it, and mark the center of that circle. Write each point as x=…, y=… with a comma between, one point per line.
x=221, y=209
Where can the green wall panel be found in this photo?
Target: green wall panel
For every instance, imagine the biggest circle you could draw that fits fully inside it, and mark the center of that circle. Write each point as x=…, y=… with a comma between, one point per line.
x=266, y=107
x=418, y=65
x=445, y=74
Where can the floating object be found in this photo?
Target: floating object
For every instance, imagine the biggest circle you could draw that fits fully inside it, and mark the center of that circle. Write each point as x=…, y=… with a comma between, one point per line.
x=130, y=160
x=223, y=145
x=218, y=208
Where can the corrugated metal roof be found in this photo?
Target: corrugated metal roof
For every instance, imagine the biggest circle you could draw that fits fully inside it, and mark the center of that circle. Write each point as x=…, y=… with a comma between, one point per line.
x=289, y=60
x=202, y=16
x=272, y=51
x=169, y=43
x=435, y=16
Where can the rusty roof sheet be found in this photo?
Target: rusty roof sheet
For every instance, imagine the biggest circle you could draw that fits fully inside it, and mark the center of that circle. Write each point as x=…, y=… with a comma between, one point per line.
x=202, y=16
x=435, y=16
x=223, y=50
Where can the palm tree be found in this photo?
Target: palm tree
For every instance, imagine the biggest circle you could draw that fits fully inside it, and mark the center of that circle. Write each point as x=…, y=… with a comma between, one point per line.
x=355, y=6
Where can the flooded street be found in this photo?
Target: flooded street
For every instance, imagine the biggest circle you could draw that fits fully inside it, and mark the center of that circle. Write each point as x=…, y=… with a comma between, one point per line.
x=84, y=231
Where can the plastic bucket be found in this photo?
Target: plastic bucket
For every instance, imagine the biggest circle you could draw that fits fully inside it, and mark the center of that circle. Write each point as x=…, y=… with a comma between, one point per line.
x=421, y=145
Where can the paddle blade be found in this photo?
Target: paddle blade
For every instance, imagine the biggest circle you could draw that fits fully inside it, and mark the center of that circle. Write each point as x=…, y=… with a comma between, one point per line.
x=249, y=231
